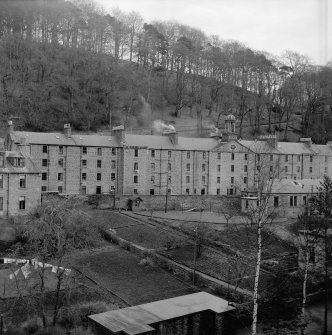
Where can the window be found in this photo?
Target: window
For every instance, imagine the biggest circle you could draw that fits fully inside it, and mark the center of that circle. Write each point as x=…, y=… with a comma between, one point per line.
x=258, y=157
x=232, y=180
x=203, y=167
x=84, y=150
x=83, y=176
x=310, y=169
x=113, y=164
x=83, y=189
x=60, y=176
x=60, y=189
x=169, y=166
x=84, y=163
x=311, y=158
x=136, y=166
x=276, y=202
x=152, y=179
x=203, y=179
x=1, y=203
x=245, y=180
x=271, y=158
x=246, y=168
x=299, y=158
x=135, y=191
x=286, y=169
x=230, y=191
x=44, y=176
x=136, y=152
x=293, y=201
x=218, y=191
x=218, y=180
x=187, y=179
x=257, y=203
x=247, y=204
x=99, y=151
x=188, y=167
x=169, y=191
x=204, y=155
x=219, y=155
x=135, y=179
x=22, y=181
x=304, y=200
x=232, y=156
x=169, y=179
x=112, y=176
x=44, y=162
x=153, y=166
x=169, y=154
x=298, y=169
x=45, y=149
x=188, y=154
x=113, y=150
x=1, y=180
x=286, y=158
x=43, y=188
x=326, y=159
x=187, y=191
x=151, y=191
x=203, y=191
x=245, y=157
x=60, y=150
x=232, y=168
x=60, y=162
x=21, y=202
x=98, y=189
x=98, y=176
x=271, y=168
x=153, y=153
x=98, y=163
x=218, y=168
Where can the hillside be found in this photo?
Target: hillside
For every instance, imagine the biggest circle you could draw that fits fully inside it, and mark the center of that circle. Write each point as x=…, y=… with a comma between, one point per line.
x=64, y=61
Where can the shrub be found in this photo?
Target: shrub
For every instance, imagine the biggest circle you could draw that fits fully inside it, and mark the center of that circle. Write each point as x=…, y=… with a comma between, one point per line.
x=147, y=261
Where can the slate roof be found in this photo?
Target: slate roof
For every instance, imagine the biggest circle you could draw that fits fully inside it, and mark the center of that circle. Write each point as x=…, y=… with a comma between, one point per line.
x=164, y=142
x=61, y=139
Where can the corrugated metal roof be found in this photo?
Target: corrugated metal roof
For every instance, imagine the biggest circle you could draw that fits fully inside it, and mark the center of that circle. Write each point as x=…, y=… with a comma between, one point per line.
x=136, y=319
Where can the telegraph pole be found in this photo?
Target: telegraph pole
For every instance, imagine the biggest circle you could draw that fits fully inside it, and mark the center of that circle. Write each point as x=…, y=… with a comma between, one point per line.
x=166, y=197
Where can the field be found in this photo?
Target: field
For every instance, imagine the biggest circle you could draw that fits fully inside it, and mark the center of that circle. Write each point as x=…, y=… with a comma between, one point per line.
x=118, y=270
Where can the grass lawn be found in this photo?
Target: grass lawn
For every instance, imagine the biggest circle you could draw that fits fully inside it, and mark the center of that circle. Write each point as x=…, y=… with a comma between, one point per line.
x=118, y=271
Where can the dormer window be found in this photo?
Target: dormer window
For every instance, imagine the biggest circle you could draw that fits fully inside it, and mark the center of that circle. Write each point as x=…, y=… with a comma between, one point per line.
x=16, y=161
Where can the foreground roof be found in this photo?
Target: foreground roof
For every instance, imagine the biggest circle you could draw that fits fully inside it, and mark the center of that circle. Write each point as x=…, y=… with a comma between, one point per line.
x=137, y=319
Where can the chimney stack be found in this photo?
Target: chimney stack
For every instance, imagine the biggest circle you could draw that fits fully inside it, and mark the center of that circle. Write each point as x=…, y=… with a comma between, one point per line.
x=172, y=134
x=307, y=141
x=10, y=127
x=119, y=133
x=67, y=130
x=270, y=139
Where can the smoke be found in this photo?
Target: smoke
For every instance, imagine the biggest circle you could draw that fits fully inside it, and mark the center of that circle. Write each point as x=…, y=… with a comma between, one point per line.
x=160, y=126
x=211, y=126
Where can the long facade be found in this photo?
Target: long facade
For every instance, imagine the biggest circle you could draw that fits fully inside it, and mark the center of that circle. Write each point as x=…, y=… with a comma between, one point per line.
x=128, y=164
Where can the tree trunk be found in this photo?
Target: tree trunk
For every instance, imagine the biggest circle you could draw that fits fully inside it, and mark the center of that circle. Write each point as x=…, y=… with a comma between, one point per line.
x=57, y=298
x=257, y=274
x=305, y=279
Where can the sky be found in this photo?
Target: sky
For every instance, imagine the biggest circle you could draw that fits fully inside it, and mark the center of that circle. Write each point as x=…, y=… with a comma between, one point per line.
x=264, y=25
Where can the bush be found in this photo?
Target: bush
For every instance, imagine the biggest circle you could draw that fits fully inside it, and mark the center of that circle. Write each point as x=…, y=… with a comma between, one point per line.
x=77, y=315
x=146, y=262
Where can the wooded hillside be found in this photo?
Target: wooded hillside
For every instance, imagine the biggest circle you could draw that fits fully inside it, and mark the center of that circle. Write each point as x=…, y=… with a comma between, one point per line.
x=63, y=61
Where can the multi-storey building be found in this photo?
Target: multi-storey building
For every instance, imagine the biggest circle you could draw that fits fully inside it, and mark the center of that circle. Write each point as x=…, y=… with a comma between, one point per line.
x=129, y=164
x=19, y=184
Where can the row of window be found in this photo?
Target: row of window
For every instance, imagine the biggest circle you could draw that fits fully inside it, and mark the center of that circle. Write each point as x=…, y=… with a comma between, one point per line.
x=84, y=176
x=84, y=150
x=22, y=181
x=21, y=203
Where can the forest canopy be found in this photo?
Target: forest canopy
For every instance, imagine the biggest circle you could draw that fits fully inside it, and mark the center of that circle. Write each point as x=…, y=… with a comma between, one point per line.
x=71, y=61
